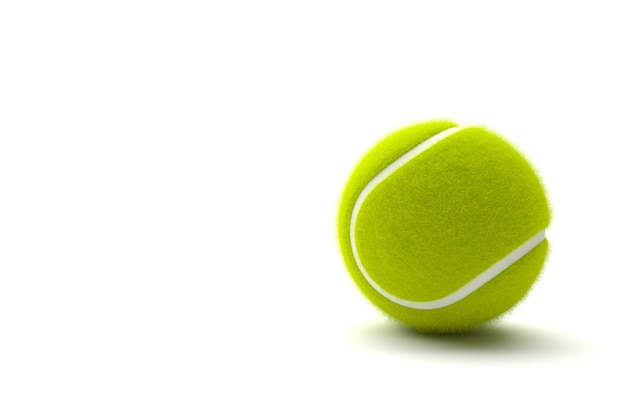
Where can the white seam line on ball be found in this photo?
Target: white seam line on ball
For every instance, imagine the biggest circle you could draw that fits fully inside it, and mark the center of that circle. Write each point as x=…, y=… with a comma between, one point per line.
x=466, y=289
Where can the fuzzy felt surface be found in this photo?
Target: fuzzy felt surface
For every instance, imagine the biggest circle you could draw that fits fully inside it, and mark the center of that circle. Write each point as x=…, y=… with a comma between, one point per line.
x=440, y=220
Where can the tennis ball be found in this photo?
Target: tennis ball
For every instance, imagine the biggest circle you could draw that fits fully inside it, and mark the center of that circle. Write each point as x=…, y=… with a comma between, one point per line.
x=443, y=227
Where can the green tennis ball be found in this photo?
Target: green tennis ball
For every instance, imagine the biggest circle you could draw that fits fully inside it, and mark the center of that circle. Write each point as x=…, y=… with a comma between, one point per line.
x=443, y=227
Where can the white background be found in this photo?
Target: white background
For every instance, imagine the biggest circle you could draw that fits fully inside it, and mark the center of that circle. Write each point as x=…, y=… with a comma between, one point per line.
x=169, y=179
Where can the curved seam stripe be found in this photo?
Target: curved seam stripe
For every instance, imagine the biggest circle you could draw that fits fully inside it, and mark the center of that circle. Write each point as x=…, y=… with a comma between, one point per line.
x=466, y=289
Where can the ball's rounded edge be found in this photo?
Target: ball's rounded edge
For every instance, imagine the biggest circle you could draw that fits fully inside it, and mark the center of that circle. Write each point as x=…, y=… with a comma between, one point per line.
x=383, y=153
x=486, y=309
x=542, y=184
x=529, y=161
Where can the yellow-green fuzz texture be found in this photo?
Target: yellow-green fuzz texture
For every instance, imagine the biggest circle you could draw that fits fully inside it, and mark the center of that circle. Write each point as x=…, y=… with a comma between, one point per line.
x=442, y=219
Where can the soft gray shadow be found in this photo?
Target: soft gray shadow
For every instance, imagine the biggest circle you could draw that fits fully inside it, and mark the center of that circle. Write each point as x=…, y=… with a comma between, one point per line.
x=498, y=339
